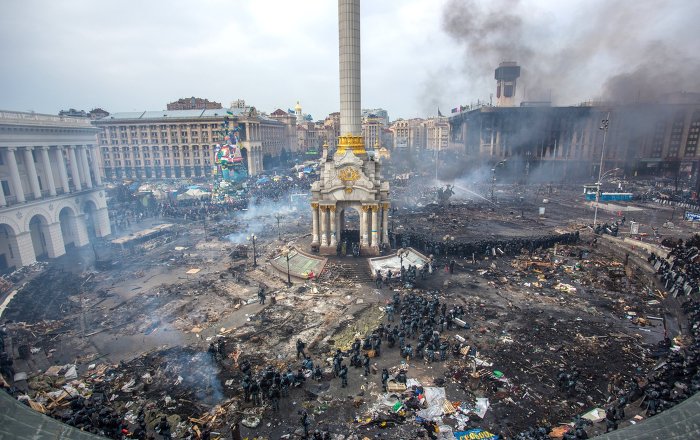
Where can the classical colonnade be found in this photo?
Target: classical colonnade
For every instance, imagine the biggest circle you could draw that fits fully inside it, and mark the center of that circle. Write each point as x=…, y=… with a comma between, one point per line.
x=82, y=166
x=328, y=220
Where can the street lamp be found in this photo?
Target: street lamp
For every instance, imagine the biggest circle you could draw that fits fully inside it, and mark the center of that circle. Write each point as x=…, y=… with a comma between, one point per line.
x=604, y=124
x=252, y=238
x=432, y=218
x=448, y=239
x=278, y=216
x=285, y=252
x=493, y=179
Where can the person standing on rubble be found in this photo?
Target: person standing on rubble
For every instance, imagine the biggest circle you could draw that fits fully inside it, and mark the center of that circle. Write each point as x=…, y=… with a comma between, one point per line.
x=365, y=363
x=343, y=374
x=385, y=378
x=255, y=392
x=261, y=294
x=300, y=348
x=163, y=428
x=378, y=279
x=221, y=348
x=305, y=423
x=390, y=313
x=274, y=395
x=212, y=352
x=245, y=384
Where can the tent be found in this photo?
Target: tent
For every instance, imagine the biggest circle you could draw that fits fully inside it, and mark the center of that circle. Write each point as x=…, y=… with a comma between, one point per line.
x=193, y=194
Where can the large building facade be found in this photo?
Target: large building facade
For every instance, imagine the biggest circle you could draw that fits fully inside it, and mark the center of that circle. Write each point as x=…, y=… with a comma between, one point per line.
x=182, y=143
x=658, y=139
x=52, y=196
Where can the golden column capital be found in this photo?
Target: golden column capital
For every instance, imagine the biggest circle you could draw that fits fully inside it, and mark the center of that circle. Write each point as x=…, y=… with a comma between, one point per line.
x=314, y=205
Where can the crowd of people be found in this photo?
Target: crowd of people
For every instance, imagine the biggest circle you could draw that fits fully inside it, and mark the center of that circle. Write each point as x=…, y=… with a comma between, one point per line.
x=680, y=270
x=127, y=207
x=482, y=248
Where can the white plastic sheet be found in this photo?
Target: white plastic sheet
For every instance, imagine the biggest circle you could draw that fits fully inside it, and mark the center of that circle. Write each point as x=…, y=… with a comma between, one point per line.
x=434, y=399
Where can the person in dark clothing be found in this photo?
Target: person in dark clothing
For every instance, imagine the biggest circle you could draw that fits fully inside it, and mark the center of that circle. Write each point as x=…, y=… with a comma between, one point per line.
x=365, y=363
x=305, y=423
x=385, y=378
x=274, y=395
x=318, y=374
x=213, y=352
x=245, y=384
x=343, y=375
x=255, y=392
x=163, y=428
x=300, y=348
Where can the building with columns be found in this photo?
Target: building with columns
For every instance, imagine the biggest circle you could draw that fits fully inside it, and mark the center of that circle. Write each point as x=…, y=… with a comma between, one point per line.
x=350, y=183
x=182, y=143
x=52, y=196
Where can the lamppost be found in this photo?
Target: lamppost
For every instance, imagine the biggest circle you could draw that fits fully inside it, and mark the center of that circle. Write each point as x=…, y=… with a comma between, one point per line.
x=493, y=179
x=432, y=218
x=448, y=239
x=604, y=124
x=252, y=238
x=437, y=157
x=401, y=254
x=278, y=216
x=285, y=252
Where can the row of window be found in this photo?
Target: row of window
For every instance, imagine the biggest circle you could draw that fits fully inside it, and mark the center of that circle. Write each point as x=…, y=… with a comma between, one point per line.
x=157, y=162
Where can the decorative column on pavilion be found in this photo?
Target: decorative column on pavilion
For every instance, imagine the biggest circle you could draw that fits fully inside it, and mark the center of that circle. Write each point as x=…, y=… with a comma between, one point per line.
x=314, y=221
x=375, y=225
x=334, y=240
x=385, y=223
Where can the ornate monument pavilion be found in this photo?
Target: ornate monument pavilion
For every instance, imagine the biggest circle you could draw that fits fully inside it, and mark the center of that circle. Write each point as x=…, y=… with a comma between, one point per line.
x=350, y=178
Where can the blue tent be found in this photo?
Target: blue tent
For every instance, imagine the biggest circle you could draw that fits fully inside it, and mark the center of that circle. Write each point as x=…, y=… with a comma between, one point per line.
x=263, y=179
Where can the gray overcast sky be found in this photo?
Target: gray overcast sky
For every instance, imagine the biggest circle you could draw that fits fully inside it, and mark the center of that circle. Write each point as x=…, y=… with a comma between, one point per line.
x=138, y=55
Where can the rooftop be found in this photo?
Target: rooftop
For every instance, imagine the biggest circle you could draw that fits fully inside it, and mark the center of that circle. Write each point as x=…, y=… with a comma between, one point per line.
x=31, y=118
x=183, y=114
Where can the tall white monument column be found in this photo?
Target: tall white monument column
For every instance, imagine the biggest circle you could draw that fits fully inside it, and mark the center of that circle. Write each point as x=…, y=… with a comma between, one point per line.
x=314, y=221
x=375, y=225
x=324, y=225
x=74, y=173
x=62, y=172
x=349, y=33
x=334, y=240
x=48, y=172
x=31, y=172
x=14, y=175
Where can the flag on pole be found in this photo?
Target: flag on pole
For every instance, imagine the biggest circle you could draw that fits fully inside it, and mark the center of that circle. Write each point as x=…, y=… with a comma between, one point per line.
x=456, y=110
